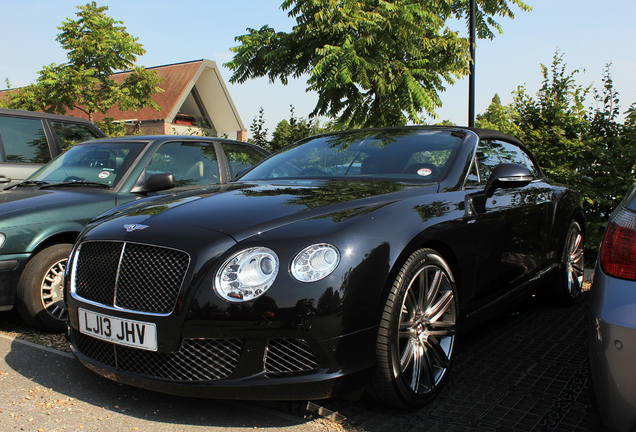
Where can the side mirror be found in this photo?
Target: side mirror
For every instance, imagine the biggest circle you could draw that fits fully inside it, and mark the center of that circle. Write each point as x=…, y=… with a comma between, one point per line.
x=156, y=183
x=507, y=175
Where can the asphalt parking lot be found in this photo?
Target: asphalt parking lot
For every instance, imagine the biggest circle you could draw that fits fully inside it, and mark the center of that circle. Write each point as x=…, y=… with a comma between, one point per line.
x=524, y=371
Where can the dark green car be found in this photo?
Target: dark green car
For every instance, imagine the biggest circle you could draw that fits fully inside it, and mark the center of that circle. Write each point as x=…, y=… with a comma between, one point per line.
x=41, y=217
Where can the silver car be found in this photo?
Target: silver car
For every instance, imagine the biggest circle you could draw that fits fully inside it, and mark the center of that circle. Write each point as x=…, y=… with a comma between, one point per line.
x=29, y=139
x=613, y=319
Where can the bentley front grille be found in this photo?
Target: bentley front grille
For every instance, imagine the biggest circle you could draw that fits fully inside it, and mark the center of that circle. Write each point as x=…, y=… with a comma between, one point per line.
x=130, y=276
x=196, y=360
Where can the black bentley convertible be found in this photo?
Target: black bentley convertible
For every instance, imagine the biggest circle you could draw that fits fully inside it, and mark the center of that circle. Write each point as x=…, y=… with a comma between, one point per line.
x=345, y=261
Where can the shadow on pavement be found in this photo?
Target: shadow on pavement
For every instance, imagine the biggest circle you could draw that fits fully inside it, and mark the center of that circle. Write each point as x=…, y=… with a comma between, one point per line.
x=52, y=387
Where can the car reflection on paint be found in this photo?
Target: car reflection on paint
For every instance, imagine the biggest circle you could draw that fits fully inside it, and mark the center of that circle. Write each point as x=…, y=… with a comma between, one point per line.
x=303, y=280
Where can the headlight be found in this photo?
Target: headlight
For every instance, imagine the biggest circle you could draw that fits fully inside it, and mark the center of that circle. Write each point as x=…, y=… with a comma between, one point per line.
x=3, y=238
x=247, y=274
x=315, y=262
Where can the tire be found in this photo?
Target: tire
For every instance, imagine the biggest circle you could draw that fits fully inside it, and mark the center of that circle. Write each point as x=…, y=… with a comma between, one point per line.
x=570, y=278
x=40, y=299
x=416, y=336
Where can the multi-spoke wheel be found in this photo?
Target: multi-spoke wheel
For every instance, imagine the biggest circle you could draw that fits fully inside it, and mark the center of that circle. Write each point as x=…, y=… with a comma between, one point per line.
x=40, y=297
x=570, y=282
x=416, y=338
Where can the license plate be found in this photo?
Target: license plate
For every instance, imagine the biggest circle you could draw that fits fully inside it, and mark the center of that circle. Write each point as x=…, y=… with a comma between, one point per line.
x=138, y=334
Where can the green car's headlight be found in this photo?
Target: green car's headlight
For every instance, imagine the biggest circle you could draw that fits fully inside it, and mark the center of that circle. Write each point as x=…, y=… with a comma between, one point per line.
x=3, y=238
x=246, y=275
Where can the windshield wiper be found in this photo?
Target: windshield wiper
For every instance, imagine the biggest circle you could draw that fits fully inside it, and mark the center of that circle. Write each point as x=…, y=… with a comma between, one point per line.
x=28, y=183
x=76, y=183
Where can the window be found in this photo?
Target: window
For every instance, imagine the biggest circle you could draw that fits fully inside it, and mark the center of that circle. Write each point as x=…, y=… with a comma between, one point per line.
x=491, y=153
x=104, y=163
x=240, y=157
x=24, y=140
x=411, y=155
x=70, y=134
x=193, y=164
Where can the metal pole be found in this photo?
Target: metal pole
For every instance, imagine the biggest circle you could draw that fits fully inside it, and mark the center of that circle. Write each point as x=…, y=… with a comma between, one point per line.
x=471, y=79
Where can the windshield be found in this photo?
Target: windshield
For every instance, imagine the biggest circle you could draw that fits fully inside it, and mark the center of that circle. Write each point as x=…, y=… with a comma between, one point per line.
x=100, y=162
x=407, y=154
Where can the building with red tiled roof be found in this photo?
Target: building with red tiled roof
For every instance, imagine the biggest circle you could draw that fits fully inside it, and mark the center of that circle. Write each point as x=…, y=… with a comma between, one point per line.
x=194, y=97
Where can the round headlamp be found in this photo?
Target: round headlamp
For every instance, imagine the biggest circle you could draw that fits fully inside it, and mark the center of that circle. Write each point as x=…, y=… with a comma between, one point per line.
x=246, y=275
x=315, y=262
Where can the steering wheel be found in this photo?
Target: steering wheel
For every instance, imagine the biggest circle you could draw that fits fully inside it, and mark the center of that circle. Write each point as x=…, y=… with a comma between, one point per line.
x=315, y=171
x=73, y=178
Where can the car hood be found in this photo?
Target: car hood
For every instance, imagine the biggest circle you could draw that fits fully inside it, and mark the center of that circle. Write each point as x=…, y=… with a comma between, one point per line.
x=28, y=201
x=244, y=209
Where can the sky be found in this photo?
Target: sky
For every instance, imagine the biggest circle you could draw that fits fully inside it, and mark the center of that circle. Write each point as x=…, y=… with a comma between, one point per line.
x=590, y=34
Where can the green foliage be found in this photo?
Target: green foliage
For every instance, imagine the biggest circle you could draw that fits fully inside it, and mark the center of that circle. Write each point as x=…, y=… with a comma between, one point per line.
x=97, y=46
x=372, y=63
x=111, y=128
x=289, y=131
x=259, y=131
x=497, y=117
x=445, y=123
x=609, y=170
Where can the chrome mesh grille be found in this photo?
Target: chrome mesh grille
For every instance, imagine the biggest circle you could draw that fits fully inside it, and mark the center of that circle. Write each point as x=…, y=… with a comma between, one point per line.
x=97, y=271
x=131, y=276
x=289, y=356
x=196, y=360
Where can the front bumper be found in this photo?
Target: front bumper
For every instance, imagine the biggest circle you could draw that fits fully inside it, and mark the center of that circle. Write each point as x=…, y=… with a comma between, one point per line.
x=11, y=267
x=613, y=350
x=250, y=366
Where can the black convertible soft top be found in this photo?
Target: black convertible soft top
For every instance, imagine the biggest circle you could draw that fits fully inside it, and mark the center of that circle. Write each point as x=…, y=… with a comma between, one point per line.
x=493, y=134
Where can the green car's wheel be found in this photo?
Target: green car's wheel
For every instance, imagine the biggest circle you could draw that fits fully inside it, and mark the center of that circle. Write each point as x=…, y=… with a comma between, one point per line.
x=40, y=297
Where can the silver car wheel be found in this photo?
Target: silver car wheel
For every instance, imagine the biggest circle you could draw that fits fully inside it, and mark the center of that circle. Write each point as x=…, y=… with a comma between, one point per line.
x=573, y=256
x=52, y=291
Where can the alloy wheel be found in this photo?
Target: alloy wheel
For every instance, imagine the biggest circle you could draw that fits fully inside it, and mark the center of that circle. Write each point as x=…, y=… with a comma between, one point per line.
x=426, y=331
x=574, y=260
x=52, y=290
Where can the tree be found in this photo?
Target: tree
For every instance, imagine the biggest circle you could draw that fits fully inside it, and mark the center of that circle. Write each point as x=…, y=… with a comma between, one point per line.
x=554, y=124
x=611, y=156
x=259, y=131
x=289, y=131
x=97, y=46
x=372, y=63
x=497, y=117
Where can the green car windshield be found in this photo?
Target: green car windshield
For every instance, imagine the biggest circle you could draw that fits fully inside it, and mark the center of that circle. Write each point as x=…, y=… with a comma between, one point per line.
x=103, y=162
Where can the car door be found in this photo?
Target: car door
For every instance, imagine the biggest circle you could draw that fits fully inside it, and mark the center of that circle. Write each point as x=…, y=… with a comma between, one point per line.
x=193, y=163
x=512, y=226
